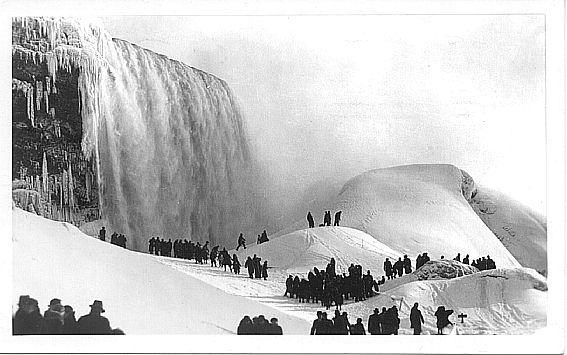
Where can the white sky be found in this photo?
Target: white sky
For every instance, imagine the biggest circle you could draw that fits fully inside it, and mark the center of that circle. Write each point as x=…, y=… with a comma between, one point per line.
x=328, y=97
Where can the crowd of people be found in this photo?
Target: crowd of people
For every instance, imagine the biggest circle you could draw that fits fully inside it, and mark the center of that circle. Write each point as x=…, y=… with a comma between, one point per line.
x=59, y=319
x=398, y=268
x=329, y=287
x=181, y=249
x=259, y=326
x=115, y=238
x=327, y=219
x=386, y=322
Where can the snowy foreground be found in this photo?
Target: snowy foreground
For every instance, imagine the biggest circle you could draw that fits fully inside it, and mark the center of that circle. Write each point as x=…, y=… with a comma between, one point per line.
x=198, y=299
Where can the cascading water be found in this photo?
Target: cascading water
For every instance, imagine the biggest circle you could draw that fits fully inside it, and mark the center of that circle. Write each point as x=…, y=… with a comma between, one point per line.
x=169, y=140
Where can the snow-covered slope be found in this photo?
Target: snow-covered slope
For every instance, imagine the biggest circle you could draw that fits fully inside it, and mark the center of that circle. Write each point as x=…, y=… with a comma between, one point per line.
x=420, y=208
x=522, y=231
x=300, y=251
x=140, y=295
x=501, y=301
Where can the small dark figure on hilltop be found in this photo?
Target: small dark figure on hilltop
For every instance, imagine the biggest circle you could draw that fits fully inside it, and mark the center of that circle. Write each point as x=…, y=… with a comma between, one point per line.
x=388, y=271
x=416, y=319
x=458, y=257
x=310, y=220
x=102, y=234
x=241, y=242
x=399, y=268
x=466, y=259
x=442, y=318
x=358, y=328
x=94, y=322
x=337, y=218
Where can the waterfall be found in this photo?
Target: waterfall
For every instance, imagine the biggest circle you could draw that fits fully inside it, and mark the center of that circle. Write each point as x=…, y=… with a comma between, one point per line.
x=169, y=140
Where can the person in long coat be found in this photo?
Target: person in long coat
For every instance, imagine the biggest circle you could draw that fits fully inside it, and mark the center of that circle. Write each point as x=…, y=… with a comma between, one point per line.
x=416, y=319
x=249, y=264
x=94, y=322
x=53, y=318
x=358, y=328
x=442, y=318
x=28, y=319
x=265, y=270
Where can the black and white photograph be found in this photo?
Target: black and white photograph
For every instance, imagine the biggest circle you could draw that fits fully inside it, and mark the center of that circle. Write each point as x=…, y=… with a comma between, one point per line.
x=372, y=169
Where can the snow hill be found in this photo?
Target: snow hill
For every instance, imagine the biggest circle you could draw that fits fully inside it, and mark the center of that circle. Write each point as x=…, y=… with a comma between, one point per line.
x=145, y=294
x=420, y=208
x=300, y=251
x=140, y=294
x=522, y=231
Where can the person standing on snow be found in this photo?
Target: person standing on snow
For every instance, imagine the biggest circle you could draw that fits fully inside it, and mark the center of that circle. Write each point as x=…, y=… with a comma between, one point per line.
x=337, y=218
x=310, y=220
x=442, y=316
x=416, y=319
x=241, y=242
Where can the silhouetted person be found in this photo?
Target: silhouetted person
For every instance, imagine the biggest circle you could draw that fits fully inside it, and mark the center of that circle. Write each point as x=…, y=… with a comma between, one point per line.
x=310, y=220
x=27, y=320
x=241, y=242
x=373, y=324
x=53, y=318
x=265, y=270
x=337, y=218
x=257, y=266
x=458, y=257
x=316, y=327
x=245, y=326
x=416, y=319
x=340, y=324
x=102, y=234
x=288, y=286
x=399, y=268
x=358, y=328
x=94, y=322
x=407, y=265
x=69, y=322
x=152, y=244
x=442, y=318
x=466, y=259
x=235, y=264
x=249, y=264
x=274, y=328
x=388, y=271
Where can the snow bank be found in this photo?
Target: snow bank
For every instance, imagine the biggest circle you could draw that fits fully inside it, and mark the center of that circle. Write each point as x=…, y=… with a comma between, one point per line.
x=420, y=208
x=522, y=231
x=300, y=251
x=140, y=295
x=501, y=301
x=443, y=269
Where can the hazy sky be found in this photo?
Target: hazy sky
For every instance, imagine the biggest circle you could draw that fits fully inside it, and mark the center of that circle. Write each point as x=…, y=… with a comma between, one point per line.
x=328, y=97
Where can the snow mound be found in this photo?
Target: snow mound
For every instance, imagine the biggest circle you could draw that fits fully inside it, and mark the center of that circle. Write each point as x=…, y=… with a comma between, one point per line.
x=420, y=208
x=500, y=301
x=300, y=251
x=522, y=231
x=443, y=269
x=140, y=294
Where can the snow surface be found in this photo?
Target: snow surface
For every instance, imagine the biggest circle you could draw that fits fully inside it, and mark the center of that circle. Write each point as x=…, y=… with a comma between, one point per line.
x=54, y=259
x=419, y=208
x=140, y=295
x=522, y=231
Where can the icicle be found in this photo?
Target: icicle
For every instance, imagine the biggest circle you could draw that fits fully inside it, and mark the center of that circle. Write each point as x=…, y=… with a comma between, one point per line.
x=71, y=188
x=48, y=84
x=38, y=95
x=45, y=175
x=46, y=95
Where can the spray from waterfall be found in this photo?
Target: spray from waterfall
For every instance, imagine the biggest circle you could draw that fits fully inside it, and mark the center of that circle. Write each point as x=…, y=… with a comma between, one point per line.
x=168, y=140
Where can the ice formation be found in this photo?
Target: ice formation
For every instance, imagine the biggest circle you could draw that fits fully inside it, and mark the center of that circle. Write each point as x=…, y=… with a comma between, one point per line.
x=168, y=140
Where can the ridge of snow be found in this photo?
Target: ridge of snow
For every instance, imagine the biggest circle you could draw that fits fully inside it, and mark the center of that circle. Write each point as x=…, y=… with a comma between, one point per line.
x=420, y=208
x=140, y=294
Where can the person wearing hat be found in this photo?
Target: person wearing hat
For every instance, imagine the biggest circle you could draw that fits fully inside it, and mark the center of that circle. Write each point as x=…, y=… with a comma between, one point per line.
x=53, y=318
x=373, y=324
x=19, y=318
x=69, y=321
x=94, y=323
x=28, y=321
